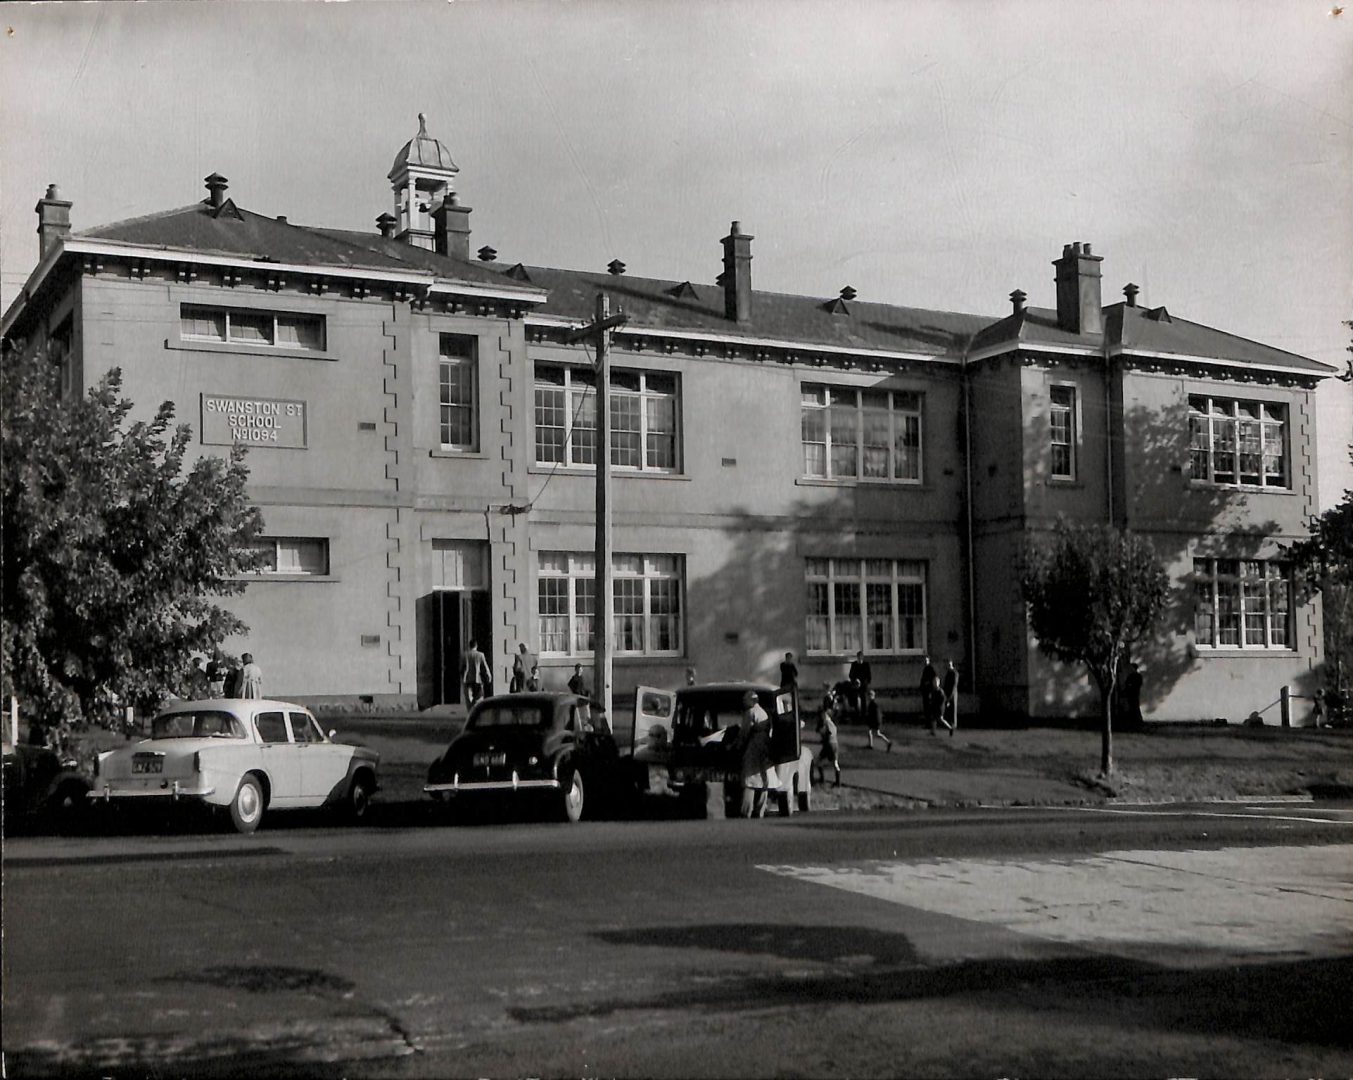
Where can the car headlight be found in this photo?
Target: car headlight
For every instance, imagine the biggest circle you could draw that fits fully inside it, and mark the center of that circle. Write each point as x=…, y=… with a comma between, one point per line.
x=533, y=760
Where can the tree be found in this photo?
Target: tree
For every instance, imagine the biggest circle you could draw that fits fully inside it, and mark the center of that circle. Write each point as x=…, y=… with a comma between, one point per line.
x=111, y=551
x=1092, y=593
x=1324, y=564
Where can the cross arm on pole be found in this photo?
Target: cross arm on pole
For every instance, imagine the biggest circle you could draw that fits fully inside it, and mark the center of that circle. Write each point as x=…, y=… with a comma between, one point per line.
x=596, y=327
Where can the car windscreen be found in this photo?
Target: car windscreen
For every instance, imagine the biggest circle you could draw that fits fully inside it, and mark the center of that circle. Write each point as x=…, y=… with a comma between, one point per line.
x=709, y=711
x=209, y=723
x=510, y=716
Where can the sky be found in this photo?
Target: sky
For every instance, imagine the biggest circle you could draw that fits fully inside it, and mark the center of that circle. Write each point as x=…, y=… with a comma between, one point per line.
x=931, y=154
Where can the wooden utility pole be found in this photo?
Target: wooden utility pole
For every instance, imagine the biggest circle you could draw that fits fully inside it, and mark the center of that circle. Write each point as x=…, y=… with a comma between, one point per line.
x=604, y=600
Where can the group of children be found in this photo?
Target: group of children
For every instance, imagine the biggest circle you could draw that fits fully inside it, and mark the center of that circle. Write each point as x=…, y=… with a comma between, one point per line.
x=832, y=707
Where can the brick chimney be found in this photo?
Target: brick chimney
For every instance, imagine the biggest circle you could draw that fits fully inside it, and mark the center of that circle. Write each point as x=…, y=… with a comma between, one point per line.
x=53, y=220
x=1079, y=308
x=737, y=274
x=451, y=228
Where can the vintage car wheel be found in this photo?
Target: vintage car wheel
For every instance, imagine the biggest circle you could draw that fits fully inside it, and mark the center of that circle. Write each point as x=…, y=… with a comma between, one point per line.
x=246, y=808
x=574, y=796
x=66, y=808
x=358, y=805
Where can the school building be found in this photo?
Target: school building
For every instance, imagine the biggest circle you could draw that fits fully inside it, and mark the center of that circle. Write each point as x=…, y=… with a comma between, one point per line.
x=818, y=475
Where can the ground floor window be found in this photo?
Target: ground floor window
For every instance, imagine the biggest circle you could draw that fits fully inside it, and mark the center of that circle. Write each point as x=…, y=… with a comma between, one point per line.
x=294, y=555
x=874, y=605
x=646, y=591
x=1242, y=604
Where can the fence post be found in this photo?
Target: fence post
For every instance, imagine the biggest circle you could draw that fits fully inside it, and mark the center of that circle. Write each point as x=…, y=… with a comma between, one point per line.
x=130, y=719
x=1286, y=698
x=13, y=721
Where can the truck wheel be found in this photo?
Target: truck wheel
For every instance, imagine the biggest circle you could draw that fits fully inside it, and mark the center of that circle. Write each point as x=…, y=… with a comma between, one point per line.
x=574, y=796
x=246, y=808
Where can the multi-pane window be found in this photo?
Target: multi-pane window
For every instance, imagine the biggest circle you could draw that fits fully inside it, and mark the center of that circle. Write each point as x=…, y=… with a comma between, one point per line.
x=457, y=376
x=853, y=434
x=1062, y=415
x=875, y=605
x=302, y=555
x=251, y=327
x=1235, y=442
x=646, y=593
x=1242, y=603
x=643, y=408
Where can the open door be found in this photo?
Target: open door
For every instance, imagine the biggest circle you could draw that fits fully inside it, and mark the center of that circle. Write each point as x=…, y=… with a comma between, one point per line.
x=784, y=726
x=653, y=713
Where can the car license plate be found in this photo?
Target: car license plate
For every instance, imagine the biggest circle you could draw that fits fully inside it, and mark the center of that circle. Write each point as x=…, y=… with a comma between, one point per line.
x=497, y=758
x=148, y=765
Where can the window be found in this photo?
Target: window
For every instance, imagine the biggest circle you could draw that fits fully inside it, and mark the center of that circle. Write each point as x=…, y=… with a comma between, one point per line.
x=643, y=407
x=850, y=434
x=1062, y=415
x=294, y=555
x=646, y=592
x=267, y=329
x=1240, y=443
x=1242, y=603
x=272, y=728
x=874, y=605
x=458, y=376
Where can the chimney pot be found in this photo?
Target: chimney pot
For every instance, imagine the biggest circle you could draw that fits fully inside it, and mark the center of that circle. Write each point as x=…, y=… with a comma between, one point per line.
x=1017, y=299
x=385, y=225
x=53, y=219
x=1130, y=291
x=216, y=188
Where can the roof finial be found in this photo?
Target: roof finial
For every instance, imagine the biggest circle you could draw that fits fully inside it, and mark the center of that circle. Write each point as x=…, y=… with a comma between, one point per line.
x=422, y=125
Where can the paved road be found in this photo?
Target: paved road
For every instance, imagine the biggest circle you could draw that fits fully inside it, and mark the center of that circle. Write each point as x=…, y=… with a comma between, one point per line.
x=1172, y=941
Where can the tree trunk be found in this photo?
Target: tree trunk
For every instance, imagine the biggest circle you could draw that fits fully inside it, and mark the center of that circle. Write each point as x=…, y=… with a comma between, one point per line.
x=1106, y=732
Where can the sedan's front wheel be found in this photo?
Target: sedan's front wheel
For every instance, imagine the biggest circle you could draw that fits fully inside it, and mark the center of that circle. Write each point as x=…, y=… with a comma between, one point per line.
x=246, y=808
x=359, y=799
x=574, y=796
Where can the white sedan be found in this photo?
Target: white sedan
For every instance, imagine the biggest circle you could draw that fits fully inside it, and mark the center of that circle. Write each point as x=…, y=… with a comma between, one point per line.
x=243, y=756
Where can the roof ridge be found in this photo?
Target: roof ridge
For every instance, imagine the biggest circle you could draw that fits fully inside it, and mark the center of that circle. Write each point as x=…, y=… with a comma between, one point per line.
x=138, y=219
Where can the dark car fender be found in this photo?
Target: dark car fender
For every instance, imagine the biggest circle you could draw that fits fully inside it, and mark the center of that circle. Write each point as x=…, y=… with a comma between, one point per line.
x=359, y=762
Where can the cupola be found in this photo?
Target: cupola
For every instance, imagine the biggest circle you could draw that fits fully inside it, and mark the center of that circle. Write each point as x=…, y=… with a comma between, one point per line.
x=422, y=178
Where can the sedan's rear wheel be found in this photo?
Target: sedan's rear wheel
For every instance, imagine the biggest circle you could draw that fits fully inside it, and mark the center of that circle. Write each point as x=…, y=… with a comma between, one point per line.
x=574, y=796
x=246, y=808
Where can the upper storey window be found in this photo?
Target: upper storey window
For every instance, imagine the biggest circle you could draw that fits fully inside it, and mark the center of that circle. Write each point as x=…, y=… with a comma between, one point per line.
x=1239, y=443
x=1064, y=431
x=644, y=407
x=458, y=377
x=853, y=434
x=252, y=327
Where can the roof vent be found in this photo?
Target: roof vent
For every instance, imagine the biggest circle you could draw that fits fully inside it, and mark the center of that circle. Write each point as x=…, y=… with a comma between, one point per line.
x=1130, y=291
x=385, y=224
x=1159, y=314
x=488, y=254
x=848, y=293
x=615, y=267
x=837, y=306
x=1017, y=299
x=685, y=289
x=518, y=272
x=282, y=219
x=216, y=189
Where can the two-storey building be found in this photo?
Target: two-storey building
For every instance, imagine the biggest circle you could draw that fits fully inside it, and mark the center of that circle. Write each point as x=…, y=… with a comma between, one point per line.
x=821, y=475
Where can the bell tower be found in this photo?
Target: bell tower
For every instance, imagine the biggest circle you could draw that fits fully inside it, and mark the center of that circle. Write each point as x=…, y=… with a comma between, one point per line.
x=422, y=178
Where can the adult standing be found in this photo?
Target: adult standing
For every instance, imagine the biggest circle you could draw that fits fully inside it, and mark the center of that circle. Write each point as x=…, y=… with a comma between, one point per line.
x=861, y=676
x=251, y=678
x=949, y=715
x=789, y=672
x=927, y=674
x=758, y=771
x=216, y=675
x=576, y=683
x=831, y=746
x=474, y=673
x=932, y=698
x=522, y=664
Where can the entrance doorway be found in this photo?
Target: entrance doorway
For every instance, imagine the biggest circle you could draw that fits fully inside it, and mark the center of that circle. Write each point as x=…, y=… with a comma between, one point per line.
x=457, y=611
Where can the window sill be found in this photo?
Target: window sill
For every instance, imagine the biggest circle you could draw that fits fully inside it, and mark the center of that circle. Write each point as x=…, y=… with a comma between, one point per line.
x=464, y=455
x=854, y=482
x=1247, y=489
x=239, y=349
x=1065, y=482
x=616, y=472
x=258, y=579
x=1244, y=652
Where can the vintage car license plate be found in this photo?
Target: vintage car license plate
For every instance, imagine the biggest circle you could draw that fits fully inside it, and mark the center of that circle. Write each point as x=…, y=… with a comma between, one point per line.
x=147, y=764
x=496, y=758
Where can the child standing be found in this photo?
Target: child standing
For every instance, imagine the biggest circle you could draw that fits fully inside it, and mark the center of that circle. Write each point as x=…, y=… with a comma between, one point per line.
x=831, y=748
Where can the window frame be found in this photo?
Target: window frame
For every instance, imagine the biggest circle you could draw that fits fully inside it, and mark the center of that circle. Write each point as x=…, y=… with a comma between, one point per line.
x=840, y=406
x=295, y=570
x=1071, y=410
x=577, y=384
x=1229, y=594
x=1217, y=430
x=831, y=580
x=469, y=364
x=570, y=615
x=273, y=346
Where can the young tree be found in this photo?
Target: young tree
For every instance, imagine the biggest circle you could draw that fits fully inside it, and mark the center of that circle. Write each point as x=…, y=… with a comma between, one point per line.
x=1092, y=593
x=111, y=552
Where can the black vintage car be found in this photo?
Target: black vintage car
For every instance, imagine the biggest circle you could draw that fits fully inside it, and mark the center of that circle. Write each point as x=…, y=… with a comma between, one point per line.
x=42, y=788
x=556, y=749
